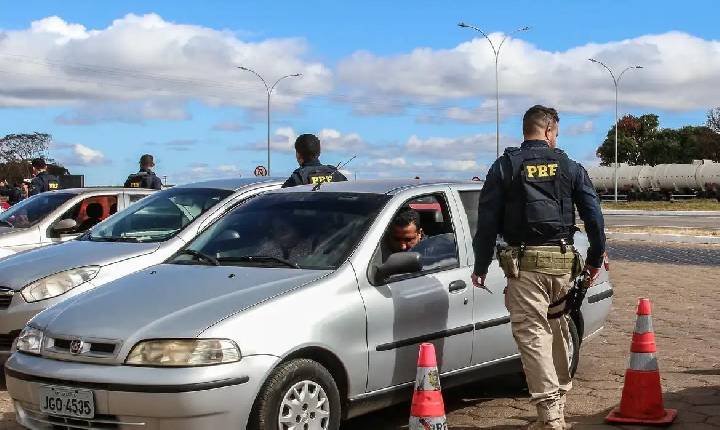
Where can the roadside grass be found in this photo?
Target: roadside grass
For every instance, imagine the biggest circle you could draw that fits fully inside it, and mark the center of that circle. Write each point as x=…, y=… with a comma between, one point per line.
x=676, y=205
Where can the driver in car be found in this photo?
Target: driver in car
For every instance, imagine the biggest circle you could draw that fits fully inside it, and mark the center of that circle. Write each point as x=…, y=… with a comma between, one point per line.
x=403, y=234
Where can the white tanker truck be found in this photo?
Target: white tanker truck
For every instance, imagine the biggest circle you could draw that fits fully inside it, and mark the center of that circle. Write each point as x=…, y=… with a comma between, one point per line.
x=663, y=181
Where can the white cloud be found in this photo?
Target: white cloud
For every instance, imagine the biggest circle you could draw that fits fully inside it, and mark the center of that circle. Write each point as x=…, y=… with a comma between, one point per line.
x=579, y=128
x=230, y=126
x=200, y=171
x=125, y=112
x=332, y=142
x=140, y=58
x=78, y=155
x=479, y=145
x=680, y=74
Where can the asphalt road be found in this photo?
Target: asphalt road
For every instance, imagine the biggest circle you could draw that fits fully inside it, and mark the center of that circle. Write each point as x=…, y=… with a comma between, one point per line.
x=696, y=221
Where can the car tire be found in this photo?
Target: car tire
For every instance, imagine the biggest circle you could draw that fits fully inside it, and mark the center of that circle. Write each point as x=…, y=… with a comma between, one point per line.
x=574, y=353
x=295, y=380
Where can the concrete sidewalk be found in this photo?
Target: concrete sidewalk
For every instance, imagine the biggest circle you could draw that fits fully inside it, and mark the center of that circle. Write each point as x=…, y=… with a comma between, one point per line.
x=638, y=212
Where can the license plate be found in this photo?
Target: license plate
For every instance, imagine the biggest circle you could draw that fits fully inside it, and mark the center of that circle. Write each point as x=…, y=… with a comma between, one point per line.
x=68, y=402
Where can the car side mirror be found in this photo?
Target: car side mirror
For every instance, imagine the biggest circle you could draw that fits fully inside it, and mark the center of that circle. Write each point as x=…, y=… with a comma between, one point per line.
x=64, y=225
x=398, y=263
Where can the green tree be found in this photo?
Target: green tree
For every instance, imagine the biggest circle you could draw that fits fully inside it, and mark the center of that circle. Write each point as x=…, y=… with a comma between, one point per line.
x=642, y=141
x=17, y=149
x=713, y=119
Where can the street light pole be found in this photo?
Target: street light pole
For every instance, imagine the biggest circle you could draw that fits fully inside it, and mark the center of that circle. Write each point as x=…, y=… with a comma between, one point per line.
x=496, y=51
x=269, y=90
x=616, y=81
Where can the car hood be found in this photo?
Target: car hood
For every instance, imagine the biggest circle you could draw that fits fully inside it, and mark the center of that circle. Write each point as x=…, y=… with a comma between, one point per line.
x=169, y=301
x=20, y=269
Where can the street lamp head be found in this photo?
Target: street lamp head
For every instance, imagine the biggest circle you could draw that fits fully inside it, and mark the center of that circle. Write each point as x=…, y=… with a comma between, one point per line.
x=462, y=24
x=526, y=28
x=243, y=68
x=296, y=75
x=639, y=67
x=593, y=60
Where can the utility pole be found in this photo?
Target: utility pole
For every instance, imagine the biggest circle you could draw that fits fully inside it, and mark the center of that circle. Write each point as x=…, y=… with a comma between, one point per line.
x=269, y=90
x=617, y=83
x=496, y=51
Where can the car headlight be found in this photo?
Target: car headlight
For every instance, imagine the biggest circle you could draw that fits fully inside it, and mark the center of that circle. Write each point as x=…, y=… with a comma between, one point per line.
x=183, y=352
x=29, y=340
x=59, y=283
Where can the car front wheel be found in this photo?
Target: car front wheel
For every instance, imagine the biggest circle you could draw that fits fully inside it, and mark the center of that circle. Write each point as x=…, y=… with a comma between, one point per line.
x=299, y=395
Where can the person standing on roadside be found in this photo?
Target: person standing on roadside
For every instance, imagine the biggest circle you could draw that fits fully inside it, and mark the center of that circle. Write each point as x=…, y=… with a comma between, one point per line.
x=311, y=170
x=529, y=198
x=145, y=178
x=42, y=180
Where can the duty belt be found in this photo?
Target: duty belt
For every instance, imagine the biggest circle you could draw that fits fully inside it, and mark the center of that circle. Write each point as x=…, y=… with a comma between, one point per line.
x=546, y=257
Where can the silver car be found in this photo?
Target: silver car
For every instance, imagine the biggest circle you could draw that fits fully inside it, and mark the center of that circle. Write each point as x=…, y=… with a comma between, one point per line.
x=291, y=312
x=145, y=234
x=59, y=216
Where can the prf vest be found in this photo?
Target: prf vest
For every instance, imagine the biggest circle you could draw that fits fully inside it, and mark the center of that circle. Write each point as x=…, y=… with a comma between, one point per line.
x=538, y=204
x=139, y=180
x=317, y=174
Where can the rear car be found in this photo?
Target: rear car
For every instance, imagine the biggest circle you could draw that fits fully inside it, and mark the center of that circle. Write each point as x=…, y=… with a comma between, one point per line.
x=292, y=311
x=145, y=234
x=58, y=216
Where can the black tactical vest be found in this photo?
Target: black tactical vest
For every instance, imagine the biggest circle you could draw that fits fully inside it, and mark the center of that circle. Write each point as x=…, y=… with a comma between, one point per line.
x=139, y=180
x=538, y=205
x=318, y=174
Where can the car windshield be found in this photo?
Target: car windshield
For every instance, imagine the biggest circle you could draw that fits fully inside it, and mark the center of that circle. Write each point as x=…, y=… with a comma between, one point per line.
x=159, y=216
x=303, y=230
x=31, y=211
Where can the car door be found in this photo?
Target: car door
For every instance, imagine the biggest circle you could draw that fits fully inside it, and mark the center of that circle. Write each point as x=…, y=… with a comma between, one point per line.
x=434, y=305
x=492, y=338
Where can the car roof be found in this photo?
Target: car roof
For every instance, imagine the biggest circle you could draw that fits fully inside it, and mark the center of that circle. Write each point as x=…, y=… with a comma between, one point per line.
x=231, y=183
x=78, y=191
x=378, y=186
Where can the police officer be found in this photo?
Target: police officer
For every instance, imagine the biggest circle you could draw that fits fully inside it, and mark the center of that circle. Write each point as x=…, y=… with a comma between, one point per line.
x=145, y=178
x=311, y=171
x=528, y=198
x=42, y=180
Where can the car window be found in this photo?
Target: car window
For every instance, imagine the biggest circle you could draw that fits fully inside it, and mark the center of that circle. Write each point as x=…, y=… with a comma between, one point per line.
x=31, y=211
x=304, y=230
x=136, y=197
x=437, y=244
x=470, y=200
x=91, y=211
x=159, y=216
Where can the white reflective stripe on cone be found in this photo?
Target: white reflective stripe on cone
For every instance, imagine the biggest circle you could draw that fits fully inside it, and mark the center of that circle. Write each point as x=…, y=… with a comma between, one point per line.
x=435, y=423
x=643, y=324
x=427, y=379
x=643, y=361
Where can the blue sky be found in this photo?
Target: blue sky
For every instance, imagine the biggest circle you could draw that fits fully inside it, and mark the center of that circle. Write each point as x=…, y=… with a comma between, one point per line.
x=396, y=82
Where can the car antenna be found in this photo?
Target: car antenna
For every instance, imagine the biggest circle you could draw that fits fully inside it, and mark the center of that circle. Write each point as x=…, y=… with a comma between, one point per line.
x=339, y=166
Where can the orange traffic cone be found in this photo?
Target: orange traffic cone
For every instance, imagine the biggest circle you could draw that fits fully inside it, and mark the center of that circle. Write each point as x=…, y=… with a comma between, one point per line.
x=428, y=409
x=642, y=401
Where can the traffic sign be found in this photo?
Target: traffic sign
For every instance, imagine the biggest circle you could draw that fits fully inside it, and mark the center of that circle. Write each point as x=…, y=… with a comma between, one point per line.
x=261, y=171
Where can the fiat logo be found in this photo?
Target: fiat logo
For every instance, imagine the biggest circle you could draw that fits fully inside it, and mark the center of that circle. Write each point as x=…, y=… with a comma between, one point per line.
x=76, y=346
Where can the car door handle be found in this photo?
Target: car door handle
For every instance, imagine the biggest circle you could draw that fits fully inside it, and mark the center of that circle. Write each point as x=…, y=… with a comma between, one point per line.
x=456, y=286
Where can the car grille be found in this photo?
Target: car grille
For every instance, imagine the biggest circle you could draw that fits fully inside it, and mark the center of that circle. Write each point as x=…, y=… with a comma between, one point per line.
x=6, y=340
x=54, y=422
x=91, y=350
x=6, y=296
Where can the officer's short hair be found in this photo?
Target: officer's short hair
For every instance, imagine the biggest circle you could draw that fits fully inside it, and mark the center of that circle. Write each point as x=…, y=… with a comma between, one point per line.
x=405, y=217
x=147, y=160
x=539, y=117
x=308, y=146
x=38, y=163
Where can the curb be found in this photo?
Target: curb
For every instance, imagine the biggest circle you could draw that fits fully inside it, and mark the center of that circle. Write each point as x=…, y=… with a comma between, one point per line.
x=675, y=238
x=660, y=213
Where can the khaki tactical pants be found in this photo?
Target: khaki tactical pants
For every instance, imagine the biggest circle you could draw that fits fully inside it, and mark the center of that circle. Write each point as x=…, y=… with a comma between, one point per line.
x=543, y=343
